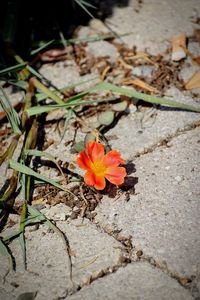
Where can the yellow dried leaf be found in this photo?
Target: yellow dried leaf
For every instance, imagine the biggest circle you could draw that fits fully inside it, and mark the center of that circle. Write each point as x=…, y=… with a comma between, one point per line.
x=140, y=83
x=193, y=82
x=179, y=47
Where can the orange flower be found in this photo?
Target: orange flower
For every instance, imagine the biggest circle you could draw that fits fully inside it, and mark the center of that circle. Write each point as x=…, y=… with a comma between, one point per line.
x=100, y=166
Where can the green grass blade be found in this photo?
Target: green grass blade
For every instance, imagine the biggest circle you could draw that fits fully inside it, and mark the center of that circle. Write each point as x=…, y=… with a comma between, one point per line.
x=11, y=236
x=67, y=119
x=4, y=251
x=35, y=110
x=42, y=96
x=28, y=221
x=22, y=231
x=47, y=91
x=88, y=4
x=148, y=98
x=35, y=51
x=14, y=68
x=20, y=83
x=47, y=155
x=34, y=72
x=28, y=171
x=83, y=6
x=62, y=38
x=11, y=113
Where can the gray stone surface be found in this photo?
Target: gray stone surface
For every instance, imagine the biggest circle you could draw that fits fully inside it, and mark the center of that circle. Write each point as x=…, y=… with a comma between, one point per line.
x=143, y=130
x=66, y=73
x=62, y=73
x=153, y=23
x=47, y=262
x=134, y=282
x=103, y=48
x=163, y=215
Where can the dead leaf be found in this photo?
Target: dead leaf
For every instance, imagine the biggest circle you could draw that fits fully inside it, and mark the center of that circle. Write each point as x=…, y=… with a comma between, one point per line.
x=196, y=34
x=39, y=201
x=55, y=54
x=196, y=59
x=193, y=82
x=105, y=71
x=179, y=50
x=87, y=264
x=140, y=83
x=124, y=64
x=141, y=56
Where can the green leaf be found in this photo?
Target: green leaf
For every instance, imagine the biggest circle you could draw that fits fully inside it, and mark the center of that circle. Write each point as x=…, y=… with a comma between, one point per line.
x=47, y=91
x=148, y=98
x=47, y=155
x=28, y=171
x=88, y=4
x=14, y=68
x=83, y=5
x=89, y=137
x=35, y=51
x=4, y=251
x=34, y=72
x=94, y=124
x=80, y=146
x=22, y=231
x=62, y=39
x=106, y=117
x=35, y=110
x=20, y=83
x=11, y=113
x=67, y=119
x=42, y=96
x=120, y=106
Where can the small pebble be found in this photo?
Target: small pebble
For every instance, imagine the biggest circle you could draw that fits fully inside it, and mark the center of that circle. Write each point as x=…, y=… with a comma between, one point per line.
x=179, y=178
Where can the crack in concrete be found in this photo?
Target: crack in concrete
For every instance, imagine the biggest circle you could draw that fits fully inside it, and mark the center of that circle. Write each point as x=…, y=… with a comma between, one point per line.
x=186, y=282
x=132, y=255
x=122, y=263
x=110, y=270
x=169, y=138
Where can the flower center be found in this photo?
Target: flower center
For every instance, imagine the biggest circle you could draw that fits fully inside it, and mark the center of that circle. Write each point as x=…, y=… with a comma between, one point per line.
x=98, y=168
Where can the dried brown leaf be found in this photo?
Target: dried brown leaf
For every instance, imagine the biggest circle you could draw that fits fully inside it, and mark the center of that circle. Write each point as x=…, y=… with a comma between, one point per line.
x=193, y=82
x=140, y=83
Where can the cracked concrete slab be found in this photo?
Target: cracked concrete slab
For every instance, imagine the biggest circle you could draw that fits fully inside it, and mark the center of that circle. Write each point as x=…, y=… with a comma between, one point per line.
x=163, y=215
x=135, y=281
x=47, y=263
x=66, y=73
x=142, y=130
x=153, y=23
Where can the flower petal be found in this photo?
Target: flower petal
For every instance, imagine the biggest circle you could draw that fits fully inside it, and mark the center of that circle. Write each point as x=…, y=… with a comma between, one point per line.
x=115, y=175
x=113, y=158
x=95, y=151
x=83, y=161
x=92, y=180
x=89, y=178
